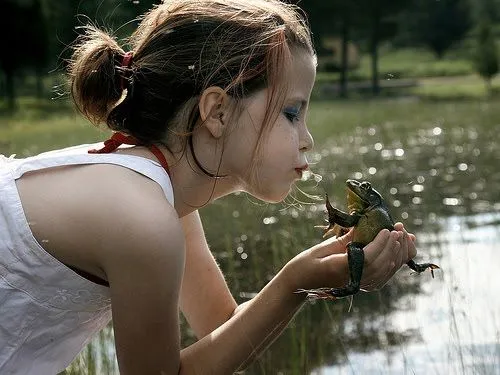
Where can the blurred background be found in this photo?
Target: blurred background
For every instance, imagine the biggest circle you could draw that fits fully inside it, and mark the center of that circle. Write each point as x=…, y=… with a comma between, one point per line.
x=406, y=97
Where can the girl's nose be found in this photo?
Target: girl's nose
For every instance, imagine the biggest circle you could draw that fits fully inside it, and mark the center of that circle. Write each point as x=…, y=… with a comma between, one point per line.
x=306, y=141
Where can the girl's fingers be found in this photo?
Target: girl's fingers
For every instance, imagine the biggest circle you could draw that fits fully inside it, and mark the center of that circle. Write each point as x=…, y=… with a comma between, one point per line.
x=405, y=240
x=332, y=245
x=412, y=251
x=346, y=238
x=383, y=257
x=384, y=239
x=386, y=254
x=399, y=226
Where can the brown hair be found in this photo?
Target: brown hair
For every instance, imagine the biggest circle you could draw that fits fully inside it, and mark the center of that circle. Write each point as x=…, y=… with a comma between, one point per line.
x=180, y=48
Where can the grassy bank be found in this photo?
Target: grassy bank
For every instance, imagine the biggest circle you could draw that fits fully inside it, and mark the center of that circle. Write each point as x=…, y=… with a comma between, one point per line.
x=412, y=72
x=408, y=63
x=43, y=125
x=38, y=128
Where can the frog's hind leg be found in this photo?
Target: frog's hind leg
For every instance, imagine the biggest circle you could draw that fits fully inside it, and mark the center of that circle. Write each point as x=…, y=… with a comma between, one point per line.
x=356, y=259
x=419, y=268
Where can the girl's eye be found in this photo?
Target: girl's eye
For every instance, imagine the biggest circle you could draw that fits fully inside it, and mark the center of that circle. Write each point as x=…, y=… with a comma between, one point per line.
x=292, y=114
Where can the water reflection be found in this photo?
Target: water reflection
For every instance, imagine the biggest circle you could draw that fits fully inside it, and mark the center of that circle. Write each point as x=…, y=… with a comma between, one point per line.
x=458, y=317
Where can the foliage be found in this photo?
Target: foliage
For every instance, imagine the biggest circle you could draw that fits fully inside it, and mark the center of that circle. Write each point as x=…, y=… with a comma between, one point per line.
x=49, y=26
x=24, y=44
x=486, y=59
x=369, y=22
x=437, y=24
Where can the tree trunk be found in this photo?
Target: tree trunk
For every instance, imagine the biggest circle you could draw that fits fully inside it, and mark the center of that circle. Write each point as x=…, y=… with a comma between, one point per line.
x=345, y=53
x=39, y=82
x=489, y=87
x=9, y=90
x=374, y=49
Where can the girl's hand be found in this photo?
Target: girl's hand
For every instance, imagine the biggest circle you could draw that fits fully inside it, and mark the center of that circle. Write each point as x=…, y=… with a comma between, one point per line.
x=325, y=264
x=385, y=255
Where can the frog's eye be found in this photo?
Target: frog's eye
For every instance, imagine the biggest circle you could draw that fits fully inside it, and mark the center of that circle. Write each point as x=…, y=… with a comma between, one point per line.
x=365, y=185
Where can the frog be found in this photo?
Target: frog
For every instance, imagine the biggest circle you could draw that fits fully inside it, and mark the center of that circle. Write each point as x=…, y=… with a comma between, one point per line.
x=367, y=215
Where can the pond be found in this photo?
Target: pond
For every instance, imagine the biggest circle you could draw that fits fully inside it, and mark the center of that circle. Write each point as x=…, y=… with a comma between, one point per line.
x=437, y=167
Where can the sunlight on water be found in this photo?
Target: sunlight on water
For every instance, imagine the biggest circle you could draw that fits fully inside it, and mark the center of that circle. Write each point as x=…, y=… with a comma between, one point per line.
x=458, y=313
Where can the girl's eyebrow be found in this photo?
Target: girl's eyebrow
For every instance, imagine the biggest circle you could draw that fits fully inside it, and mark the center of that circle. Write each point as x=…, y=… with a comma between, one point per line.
x=298, y=100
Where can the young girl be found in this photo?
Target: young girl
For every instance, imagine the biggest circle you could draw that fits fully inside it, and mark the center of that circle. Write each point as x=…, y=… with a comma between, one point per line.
x=211, y=99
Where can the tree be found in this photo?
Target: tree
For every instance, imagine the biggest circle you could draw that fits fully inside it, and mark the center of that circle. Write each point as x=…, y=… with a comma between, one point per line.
x=378, y=22
x=327, y=19
x=368, y=21
x=438, y=24
x=23, y=44
x=486, y=59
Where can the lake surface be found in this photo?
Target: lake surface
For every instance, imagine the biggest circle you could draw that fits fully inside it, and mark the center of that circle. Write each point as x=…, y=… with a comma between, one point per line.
x=456, y=317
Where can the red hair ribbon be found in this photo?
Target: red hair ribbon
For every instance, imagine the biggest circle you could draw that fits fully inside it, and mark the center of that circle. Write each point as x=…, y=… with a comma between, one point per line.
x=118, y=139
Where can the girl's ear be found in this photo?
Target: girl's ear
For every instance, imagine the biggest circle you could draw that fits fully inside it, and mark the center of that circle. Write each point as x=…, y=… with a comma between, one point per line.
x=213, y=105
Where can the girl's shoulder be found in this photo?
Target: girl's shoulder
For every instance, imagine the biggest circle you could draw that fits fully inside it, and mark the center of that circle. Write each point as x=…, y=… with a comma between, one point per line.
x=129, y=210
x=124, y=207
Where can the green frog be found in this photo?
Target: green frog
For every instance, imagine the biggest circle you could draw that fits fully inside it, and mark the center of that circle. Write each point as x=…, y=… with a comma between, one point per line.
x=368, y=215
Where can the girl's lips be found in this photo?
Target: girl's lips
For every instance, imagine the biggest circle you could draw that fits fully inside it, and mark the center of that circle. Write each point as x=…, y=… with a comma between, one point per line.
x=300, y=170
x=303, y=168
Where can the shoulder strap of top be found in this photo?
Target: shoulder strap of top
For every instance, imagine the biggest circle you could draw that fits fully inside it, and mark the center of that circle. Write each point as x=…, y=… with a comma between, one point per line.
x=118, y=139
x=79, y=155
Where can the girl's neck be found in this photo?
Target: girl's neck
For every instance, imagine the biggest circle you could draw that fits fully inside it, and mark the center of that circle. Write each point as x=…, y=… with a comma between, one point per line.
x=193, y=189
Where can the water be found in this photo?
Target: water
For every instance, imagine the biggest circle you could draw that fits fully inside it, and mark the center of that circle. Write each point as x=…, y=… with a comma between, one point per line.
x=457, y=315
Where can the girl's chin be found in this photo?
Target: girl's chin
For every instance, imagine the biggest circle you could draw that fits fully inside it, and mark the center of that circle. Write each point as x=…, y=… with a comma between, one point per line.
x=276, y=196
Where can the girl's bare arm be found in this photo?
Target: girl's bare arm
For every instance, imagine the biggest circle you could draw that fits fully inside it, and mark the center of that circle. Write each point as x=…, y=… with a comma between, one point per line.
x=205, y=298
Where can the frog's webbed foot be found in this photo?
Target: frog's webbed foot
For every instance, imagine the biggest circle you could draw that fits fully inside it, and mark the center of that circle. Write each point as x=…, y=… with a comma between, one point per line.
x=320, y=293
x=419, y=268
x=356, y=259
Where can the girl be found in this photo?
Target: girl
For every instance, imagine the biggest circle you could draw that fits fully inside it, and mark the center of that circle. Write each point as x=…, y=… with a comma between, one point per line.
x=210, y=100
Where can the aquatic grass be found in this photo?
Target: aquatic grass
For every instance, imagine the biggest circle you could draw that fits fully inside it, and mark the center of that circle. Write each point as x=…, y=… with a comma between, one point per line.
x=97, y=358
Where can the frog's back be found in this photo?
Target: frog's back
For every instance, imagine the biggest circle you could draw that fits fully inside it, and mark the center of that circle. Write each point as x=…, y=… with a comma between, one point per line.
x=370, y=223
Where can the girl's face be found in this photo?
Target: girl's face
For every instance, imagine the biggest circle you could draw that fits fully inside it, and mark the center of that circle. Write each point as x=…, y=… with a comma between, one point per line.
x=281, y=158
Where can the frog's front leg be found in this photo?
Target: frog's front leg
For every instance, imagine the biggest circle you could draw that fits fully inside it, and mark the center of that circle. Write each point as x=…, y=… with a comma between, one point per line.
x=338, y=217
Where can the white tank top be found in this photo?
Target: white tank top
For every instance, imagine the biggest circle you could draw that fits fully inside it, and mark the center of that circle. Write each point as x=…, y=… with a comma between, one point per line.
x=48, y=313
